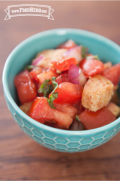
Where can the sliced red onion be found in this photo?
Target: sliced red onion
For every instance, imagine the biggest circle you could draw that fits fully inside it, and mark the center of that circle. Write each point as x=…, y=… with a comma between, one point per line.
x=82, y=79
x=73, y=72
x=75, y=81
x=74, y=52
x=38, y=59
x=76, y=76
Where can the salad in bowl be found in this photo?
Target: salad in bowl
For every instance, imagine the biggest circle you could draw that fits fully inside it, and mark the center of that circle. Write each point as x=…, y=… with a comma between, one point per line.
x=69, y=88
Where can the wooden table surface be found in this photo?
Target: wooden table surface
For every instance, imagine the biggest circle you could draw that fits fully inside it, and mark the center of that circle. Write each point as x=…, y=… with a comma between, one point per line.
x=20, y=157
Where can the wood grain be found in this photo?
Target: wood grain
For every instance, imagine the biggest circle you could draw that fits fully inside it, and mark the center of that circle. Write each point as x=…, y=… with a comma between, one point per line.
x=20, y=157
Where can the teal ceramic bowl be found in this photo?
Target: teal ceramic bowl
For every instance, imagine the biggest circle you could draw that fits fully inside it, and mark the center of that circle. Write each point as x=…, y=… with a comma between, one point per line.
x=56, y=139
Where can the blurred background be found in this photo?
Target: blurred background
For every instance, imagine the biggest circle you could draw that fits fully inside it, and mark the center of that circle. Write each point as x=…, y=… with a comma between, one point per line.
x=20, y=157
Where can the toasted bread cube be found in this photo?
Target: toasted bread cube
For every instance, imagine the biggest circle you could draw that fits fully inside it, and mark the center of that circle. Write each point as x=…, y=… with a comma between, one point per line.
x=114, y=109
x=52, y=53
x=49, y=55
x=97, y=93
x=107, y=65
x=25, y=107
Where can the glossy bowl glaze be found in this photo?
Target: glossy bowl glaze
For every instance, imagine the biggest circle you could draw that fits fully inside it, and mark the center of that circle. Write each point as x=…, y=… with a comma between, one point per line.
x=56, y=139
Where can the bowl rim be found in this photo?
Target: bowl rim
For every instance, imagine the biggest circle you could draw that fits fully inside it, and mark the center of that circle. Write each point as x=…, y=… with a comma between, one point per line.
x=61, y=31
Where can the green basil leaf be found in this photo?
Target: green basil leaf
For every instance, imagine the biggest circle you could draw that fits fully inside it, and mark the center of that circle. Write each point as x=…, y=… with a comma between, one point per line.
x=29, y=67
x=46, y=88
x=55, y=84
x=77, y=118
x=93, y=57
x=84, y=51
x=96, y=57
x=53, y=96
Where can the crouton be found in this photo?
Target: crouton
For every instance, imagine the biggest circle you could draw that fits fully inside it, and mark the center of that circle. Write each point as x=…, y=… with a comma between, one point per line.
x=97, y=93
x=107, y=65
x=114, y=109
x=25, y=107
x=49, y=55
x=52, y=53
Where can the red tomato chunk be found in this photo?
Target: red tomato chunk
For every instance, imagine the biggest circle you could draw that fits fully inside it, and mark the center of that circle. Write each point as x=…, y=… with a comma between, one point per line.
x=96, y=119
x=43, y=113
x=62, y=78
x=91, y=67
x=35, y=72
x=69, y=44
x=68, y=93
x=64, y=64
x=25, y=87
x=113, y=74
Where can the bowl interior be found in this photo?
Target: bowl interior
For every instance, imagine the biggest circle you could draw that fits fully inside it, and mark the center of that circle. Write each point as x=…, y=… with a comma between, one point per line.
x=23, y=54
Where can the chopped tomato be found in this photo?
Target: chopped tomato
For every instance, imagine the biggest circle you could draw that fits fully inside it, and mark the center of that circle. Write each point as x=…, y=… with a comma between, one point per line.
x=46, y=75
x=68, y=44
x=113, y=74
x=91, y=67
x=62, y=78
x=62, y=119
x=43, y=113
x=52, y=69
x=35, y=72
x=25, y=87
x=96, y=119
x=67, y=108
x=64, y=64
x=68, y=93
